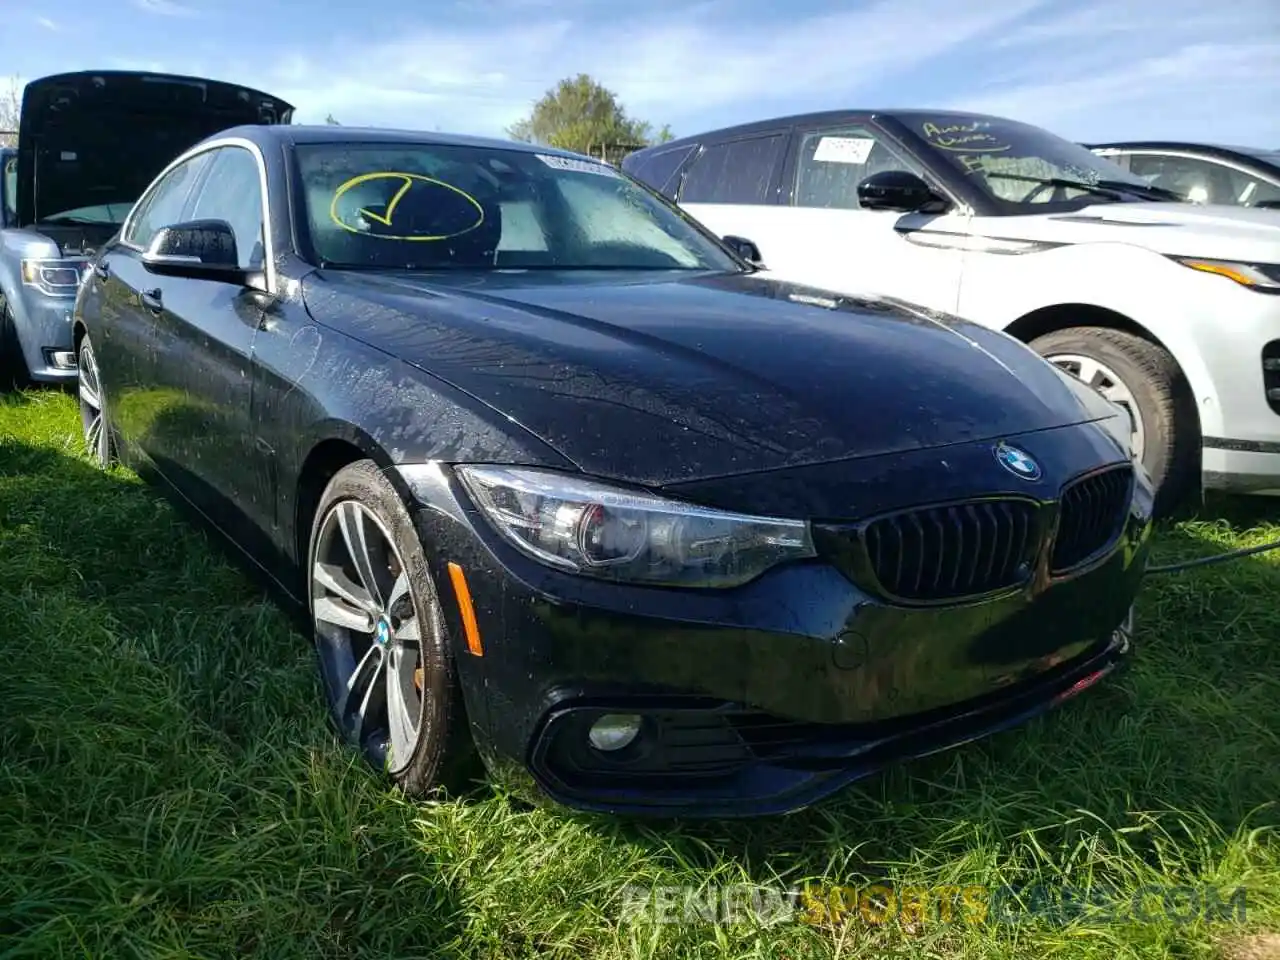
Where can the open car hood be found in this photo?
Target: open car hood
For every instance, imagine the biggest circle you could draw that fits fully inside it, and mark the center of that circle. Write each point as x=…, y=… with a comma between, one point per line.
x=102, y=136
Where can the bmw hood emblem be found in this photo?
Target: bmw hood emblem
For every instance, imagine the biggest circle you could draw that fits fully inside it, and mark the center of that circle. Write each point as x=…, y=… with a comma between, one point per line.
x=1018, y=462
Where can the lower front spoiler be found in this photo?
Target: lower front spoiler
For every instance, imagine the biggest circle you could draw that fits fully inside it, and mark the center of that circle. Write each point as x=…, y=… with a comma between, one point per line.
x=724, y=760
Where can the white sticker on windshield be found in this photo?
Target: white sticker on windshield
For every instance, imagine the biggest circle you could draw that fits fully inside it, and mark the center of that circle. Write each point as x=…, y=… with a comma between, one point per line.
x=843, y=149
x=577, y=166
x=68, y=155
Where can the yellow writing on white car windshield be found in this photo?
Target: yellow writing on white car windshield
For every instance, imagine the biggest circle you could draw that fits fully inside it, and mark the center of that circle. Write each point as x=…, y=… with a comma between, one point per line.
x=407, y=182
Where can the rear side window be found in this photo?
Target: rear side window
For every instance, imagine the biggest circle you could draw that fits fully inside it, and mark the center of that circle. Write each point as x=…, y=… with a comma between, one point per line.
x=740, y=171
x=658, y=170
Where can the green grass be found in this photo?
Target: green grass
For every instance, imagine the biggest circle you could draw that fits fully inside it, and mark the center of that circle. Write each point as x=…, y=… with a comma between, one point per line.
x=169, y=788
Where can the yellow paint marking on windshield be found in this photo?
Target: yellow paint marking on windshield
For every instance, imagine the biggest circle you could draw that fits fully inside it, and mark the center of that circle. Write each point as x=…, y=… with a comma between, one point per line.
x=386, y=218
x=391, y=206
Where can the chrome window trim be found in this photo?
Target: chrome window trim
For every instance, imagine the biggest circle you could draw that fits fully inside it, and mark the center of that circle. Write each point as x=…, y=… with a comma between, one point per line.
x=268, y=245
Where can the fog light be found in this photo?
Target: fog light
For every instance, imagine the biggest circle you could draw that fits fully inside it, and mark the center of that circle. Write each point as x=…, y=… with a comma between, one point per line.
x=614, y=731
x=63, y=359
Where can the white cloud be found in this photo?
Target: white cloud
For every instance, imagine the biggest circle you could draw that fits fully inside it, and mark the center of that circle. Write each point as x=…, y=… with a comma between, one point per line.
x=1154, y=69
x=47, y=23
x=663, y=68
x=164, y=8
x=1086, y=70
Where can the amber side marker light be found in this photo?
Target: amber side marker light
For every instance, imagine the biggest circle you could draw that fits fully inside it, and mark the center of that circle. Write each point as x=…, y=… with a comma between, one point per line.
x=467, y=609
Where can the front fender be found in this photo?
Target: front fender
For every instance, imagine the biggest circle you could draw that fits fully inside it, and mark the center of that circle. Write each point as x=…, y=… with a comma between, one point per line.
x=1178, y=307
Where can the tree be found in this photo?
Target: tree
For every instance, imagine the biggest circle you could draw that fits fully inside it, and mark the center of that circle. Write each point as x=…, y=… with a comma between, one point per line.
x=581, y=115
x=10, y=107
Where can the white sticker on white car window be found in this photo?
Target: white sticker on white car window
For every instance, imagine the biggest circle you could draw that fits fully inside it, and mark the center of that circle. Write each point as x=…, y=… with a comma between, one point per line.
x=843, y=149
x=577, y=166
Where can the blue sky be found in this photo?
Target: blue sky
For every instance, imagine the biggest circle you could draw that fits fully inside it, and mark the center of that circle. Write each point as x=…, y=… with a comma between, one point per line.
x=1084, y=69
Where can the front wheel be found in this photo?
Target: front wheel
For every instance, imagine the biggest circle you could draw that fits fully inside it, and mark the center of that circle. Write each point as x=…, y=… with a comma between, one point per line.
x=1146, y=381
x=385, y=660
x=13, y=366
x=93, y=407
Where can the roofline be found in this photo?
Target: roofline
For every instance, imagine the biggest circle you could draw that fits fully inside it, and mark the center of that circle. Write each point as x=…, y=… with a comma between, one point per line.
x=1254, y=163
x=327, y=133
x=819, y=116
x=1196, y=145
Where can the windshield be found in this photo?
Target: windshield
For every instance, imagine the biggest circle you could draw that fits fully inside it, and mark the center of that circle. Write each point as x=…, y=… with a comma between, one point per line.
x=406, y=206
x=1019, y=166
x=107, y=214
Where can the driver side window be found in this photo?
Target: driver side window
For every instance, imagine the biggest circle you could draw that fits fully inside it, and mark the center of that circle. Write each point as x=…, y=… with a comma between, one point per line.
x=162, y=206
x=831, y=163
x=233, y=192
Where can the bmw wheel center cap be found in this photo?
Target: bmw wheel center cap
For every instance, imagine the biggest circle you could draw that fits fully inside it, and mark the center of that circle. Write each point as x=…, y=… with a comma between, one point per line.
x=1018, y=462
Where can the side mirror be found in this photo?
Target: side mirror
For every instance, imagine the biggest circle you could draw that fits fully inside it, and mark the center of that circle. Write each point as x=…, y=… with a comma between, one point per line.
x=897, y=190
x=745, y=249
x=196, y=250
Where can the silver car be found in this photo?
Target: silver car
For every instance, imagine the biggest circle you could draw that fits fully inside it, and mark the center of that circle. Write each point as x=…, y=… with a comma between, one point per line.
x=88, y=144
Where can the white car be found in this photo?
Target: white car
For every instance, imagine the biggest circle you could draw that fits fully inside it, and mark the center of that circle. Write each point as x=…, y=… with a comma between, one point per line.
x=1168, y=308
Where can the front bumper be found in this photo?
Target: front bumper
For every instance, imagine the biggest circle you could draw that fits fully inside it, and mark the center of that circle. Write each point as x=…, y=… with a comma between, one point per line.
x=722, y=759
x=1241, y=418
x=1242, y=466
x=764, y=698
x=43, y=325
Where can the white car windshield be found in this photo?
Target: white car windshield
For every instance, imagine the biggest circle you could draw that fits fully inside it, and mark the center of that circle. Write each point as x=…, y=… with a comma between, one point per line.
x=1021, y=166
x=408, y=206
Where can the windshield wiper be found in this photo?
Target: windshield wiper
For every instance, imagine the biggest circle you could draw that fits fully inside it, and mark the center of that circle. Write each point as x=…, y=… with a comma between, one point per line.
x=1101, y=189
x=78, y=221
x=1113, y=189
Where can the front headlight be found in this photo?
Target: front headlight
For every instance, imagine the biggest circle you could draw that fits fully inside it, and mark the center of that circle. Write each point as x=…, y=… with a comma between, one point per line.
x=54, y=278
x=1264, y=277
x=613, y=533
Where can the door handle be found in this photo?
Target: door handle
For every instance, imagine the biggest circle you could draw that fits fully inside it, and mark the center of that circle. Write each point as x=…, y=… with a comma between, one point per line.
x=151, y=300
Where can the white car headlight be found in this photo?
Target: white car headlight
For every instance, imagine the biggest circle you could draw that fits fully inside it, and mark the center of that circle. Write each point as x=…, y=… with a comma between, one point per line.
x=1264, y=277
x=613, y=533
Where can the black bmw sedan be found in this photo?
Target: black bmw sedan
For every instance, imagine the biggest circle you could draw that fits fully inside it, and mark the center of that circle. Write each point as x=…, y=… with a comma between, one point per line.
x=567, y=487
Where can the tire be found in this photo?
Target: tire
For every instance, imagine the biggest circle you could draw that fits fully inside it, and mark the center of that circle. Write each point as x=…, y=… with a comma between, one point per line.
x=1161, y=401
x=361, y=507
x=13, y=366
x=94, y=424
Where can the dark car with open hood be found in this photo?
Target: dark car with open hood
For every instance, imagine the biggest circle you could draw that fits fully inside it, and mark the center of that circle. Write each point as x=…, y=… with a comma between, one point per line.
x=567, y=487
x=88, y=145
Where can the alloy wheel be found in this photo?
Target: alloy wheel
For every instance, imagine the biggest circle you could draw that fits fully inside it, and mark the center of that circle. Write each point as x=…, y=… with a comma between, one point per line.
x=369, y=635
x=1108, y=383
x=93, y=423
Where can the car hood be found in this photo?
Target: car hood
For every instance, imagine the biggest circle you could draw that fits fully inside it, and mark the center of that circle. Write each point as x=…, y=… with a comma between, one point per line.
x=1176, y=229
x=101, y=137
x=665, y=378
